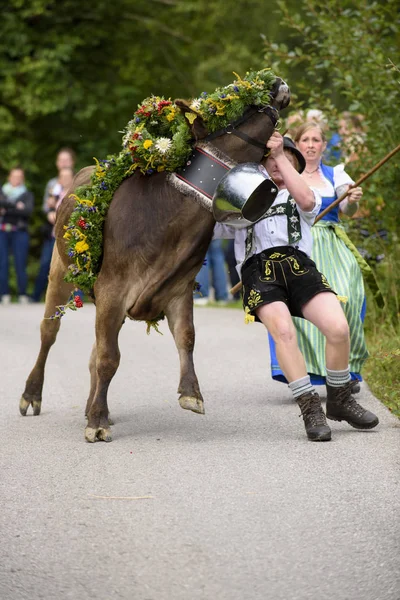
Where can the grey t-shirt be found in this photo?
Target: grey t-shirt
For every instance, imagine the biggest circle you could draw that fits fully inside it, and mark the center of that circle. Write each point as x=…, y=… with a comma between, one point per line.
x=48, y=189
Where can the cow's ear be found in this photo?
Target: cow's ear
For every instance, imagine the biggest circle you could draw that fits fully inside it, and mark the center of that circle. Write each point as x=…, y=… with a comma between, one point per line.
x=193, y=119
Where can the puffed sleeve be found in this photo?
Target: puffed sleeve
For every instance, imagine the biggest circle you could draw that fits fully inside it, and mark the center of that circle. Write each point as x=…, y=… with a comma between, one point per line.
x=340, y=177
x=311, y=215
x=224, y=232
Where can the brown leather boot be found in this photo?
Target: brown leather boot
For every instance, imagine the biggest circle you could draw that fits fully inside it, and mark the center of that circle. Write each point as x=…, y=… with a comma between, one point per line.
x=342, y=406
x=314, y=417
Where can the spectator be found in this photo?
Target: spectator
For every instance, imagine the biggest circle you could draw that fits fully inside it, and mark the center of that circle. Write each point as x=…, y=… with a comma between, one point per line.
x=65, y=160
x=16, y=206
x=213, y=267
x=63, y=182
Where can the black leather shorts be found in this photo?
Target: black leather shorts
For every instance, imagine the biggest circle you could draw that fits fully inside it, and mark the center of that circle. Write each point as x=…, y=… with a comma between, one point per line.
x=283, y=274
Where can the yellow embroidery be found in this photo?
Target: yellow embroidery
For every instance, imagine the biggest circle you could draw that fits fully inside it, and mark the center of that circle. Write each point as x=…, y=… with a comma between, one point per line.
x=325, y=281
x=295, y=264
x=277, y=255
x=267, y=269
x=343, y=299
x=254, y=299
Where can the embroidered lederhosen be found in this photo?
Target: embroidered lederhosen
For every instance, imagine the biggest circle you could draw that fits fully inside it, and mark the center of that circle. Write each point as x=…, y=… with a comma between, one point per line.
x=273, y=274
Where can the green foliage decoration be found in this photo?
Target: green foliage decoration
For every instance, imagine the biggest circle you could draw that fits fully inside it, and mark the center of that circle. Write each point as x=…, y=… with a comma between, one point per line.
x=84, y=231
x=158, y=136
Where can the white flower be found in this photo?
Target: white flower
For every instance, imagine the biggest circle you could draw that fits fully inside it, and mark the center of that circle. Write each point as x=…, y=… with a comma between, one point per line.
x=293, y=219
x=163, y=145
x=196, y=104
x=280, y=209
x=296, y=234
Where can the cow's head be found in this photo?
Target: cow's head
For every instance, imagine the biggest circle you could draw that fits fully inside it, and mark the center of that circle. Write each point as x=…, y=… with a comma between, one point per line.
x=243, y=140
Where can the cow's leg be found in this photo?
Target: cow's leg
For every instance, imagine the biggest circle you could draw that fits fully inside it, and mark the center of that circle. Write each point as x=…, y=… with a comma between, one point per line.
x=57, y=294
x=180, y=320
x=93, y=383
x=106, y=356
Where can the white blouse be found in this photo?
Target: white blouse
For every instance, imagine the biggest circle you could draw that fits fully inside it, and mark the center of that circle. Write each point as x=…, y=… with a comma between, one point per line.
x=340, y=177
x=271, y=231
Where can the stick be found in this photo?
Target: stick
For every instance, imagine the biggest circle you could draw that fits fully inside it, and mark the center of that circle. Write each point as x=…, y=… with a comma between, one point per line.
x=356, y=184
x=236, y=288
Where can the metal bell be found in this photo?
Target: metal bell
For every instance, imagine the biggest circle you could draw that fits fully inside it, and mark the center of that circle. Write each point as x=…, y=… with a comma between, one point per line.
x=243, y=195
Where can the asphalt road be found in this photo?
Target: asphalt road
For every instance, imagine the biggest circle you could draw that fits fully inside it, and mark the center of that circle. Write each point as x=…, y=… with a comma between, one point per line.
x=233, y=505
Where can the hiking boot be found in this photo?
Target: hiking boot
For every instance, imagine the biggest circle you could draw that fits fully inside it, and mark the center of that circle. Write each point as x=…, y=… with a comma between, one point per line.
x=342, y=406
x=355, y=387
x=314, y=418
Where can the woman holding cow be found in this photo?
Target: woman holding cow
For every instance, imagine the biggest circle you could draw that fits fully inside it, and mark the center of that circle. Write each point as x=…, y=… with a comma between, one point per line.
x=280, y=281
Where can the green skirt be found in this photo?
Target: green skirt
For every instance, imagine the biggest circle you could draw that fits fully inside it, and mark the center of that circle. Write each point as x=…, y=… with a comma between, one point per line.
x=339, y=265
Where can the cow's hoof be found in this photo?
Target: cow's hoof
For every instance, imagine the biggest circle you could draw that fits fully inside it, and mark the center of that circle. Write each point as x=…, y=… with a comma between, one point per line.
x=24, y=405
x=192, y=403
x=36, y=405
x=99, y=433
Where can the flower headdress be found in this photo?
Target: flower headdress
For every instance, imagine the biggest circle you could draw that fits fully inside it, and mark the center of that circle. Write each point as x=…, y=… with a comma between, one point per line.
x=158, y=138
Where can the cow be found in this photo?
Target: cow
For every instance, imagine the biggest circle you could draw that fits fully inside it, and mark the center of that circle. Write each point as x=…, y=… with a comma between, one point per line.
x=155, y=239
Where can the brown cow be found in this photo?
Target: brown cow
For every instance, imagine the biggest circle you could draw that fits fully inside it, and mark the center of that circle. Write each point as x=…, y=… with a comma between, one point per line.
x=155, y=240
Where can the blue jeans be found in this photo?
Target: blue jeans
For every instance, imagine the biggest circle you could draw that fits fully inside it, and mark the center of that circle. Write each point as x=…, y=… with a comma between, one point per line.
x=215, y=266
x=43, y=275
x=18, y=243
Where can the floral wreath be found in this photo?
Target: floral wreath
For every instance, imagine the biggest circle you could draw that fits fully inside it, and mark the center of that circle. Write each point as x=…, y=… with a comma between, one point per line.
x=157, y=139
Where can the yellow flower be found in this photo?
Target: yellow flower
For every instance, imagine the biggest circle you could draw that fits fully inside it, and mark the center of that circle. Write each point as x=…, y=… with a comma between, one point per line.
x=160, y=168
x=147, y=144
x=67, y=235
x=81, y=246
x=171, y=115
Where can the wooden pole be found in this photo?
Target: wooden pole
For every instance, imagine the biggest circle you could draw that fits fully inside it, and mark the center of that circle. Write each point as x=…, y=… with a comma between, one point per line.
x=356, y=184
x=236, y=288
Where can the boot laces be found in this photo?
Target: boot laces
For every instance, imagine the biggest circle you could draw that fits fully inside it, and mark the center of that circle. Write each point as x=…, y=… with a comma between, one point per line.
x=344, y=397
x=311, y=410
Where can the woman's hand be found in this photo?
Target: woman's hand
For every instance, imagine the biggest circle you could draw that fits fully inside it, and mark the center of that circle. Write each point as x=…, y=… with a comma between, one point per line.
x=354, y=195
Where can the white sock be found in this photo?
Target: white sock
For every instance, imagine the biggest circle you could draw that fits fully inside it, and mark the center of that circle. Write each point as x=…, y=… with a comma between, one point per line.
x=301, y=386
x=338, y=378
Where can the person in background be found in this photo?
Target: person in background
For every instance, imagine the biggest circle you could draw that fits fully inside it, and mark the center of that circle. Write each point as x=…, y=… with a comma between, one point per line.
x=214, y=268
x=65, y=160
x=335, y=256
x=64, y=181
x=16, y=206
x=229, y=252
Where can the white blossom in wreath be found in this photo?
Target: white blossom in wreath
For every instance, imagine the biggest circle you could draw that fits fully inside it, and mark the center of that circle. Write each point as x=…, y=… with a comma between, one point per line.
x=196, y=104
x=163, y=145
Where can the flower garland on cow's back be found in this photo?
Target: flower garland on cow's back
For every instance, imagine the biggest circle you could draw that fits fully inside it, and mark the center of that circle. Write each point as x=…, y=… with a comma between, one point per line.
x=157, y=139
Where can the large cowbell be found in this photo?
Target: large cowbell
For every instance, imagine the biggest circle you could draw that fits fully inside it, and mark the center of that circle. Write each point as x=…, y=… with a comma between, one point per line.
x=243, y=195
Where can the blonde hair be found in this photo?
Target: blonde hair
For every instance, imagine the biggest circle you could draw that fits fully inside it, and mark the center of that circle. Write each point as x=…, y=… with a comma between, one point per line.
x=306, y=127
